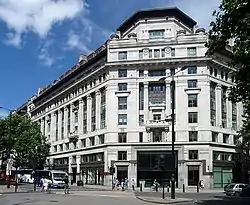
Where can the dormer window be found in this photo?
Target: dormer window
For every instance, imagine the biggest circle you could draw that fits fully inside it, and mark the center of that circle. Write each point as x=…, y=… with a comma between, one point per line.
x=156, y=34
x=123, y=55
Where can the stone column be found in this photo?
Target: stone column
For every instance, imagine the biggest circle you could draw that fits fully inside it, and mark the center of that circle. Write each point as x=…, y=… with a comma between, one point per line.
x=89, y=105
x=98, y=109
x=59, y=124
x=72, y=120
x=53, y=127
x=46, y=126
x=218, y=105
x=148, y=135
x=42, y=126
x=146, y=103
x=229, y=112
x=66, y=110
x=80, y=117
x=168, y=98
x=70, y=168
x=78, y=169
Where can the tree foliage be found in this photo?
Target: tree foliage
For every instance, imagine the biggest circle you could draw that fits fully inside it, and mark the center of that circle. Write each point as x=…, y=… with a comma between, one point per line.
x=22, y=138
x=232, y=22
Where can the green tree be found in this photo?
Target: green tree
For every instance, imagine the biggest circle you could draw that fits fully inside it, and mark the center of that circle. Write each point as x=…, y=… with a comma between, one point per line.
x=232, y=22
x=23, y=139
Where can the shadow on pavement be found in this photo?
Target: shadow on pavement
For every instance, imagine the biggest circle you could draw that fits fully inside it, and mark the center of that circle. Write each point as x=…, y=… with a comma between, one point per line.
x=225, y=200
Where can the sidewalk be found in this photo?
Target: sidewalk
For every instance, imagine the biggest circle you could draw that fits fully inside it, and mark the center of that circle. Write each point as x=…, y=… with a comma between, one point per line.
x=189, y=190
x=158, y=200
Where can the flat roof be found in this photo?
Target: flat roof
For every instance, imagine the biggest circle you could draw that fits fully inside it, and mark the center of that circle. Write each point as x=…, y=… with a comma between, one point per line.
x=157, y=12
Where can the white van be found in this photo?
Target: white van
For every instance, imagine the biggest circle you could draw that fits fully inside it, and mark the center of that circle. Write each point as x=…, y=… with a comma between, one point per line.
x=57, y=177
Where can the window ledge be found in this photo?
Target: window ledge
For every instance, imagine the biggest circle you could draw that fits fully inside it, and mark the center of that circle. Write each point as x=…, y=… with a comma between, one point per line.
x=192, y=90
x=123, y=93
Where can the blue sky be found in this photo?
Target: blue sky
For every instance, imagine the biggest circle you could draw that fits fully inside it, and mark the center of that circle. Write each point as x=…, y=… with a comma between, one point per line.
x=41, y=39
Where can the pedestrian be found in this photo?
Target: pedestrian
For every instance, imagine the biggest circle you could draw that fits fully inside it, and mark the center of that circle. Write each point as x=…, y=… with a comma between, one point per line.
x=133, y=184
x=201, y=184
x=126, y=183
x=42, y=184
x=122, y=185
x=66, y=184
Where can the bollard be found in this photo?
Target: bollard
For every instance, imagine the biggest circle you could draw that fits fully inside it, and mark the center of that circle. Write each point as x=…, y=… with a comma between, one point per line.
x=156, y=187
x=198, y=188
x=140, y=187
x=183, y=188
x=168, y=189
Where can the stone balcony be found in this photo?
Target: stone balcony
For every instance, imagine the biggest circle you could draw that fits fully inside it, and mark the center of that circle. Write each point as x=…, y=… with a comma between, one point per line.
x=157, y=124
x=73, y=136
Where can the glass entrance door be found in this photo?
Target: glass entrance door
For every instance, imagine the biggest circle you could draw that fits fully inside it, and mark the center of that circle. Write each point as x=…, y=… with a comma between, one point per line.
x=193, y=175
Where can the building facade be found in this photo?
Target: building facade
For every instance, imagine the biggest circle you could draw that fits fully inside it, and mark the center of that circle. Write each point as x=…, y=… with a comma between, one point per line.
x=112, y=109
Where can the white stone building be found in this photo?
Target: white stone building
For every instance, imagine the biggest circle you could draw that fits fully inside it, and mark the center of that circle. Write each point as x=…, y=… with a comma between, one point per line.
x=110, y=109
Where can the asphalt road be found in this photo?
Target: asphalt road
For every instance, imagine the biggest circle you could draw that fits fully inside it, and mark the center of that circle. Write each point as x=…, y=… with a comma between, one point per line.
x=61, y=199
x=203, y=198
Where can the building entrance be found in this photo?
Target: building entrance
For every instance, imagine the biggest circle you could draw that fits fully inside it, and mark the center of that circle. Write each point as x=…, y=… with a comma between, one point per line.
x=122, y=172
x=193, y=175
x=147, y=167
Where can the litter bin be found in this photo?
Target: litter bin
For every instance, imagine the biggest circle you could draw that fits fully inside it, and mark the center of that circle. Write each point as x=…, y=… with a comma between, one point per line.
x=79, y=183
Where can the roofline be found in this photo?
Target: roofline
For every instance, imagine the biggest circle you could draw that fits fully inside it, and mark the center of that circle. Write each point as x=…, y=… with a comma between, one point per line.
x=73, y=71
x=155, y=9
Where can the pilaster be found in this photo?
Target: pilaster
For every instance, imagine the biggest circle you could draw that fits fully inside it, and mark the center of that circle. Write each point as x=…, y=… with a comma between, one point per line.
x=146, y=111
x=98, y=109
x=218, y=105
x=89, y=105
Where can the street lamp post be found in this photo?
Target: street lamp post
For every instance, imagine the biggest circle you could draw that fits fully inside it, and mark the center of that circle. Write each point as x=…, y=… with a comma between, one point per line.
x=172, y=85
x=173, y=137
x=8, y=151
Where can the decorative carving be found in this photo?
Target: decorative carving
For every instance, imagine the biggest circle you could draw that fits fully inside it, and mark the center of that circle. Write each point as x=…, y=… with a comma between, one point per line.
x=97, y=92
x=200, y=30
x=89, y=97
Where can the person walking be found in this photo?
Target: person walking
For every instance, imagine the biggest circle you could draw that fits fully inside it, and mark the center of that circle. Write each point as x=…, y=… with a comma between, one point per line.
x=133, y=184
x=66, y=184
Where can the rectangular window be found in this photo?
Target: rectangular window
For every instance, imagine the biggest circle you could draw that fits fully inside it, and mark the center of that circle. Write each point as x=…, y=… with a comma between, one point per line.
x=192, y=69
x=216, y=155
x=122, y=119
x=122, y=86
x=214, y=137
x=173, y=52
x=192, y=83
x=122, y=155
x=122, y=55
x=192, y=100
x=156, y=53
x=157, y=72
x=92, y=141
x=122, y=103
x=193, y=154
x=156, y=34
x=191, y=51
x=140, y=54
x=141, y=120
x=226, y=138
x=193, y=136
x=192, y=117
x=83, y=143
x=122, y=137
x=122, y=73
x=157, y=117
x=140, y=136
x=101, y=139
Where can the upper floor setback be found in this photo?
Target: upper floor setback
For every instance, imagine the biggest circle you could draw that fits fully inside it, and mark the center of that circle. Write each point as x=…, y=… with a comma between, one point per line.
x=143, y=17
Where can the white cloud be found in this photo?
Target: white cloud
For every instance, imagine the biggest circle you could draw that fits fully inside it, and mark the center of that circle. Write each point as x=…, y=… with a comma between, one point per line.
x=82, y=39
x=45, y=56
x=76, y=41
x=38, y=16
x=200, y=10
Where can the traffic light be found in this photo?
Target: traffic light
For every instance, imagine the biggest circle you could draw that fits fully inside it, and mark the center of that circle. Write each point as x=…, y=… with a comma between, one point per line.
x=156, y=163
x=162, y=162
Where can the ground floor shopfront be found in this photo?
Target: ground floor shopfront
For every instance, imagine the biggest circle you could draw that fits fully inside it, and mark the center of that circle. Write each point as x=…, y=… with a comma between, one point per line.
x=139, y=163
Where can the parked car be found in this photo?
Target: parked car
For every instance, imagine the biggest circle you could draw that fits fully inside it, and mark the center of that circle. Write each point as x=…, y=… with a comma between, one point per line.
x=234, y=189
x=246, y=191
